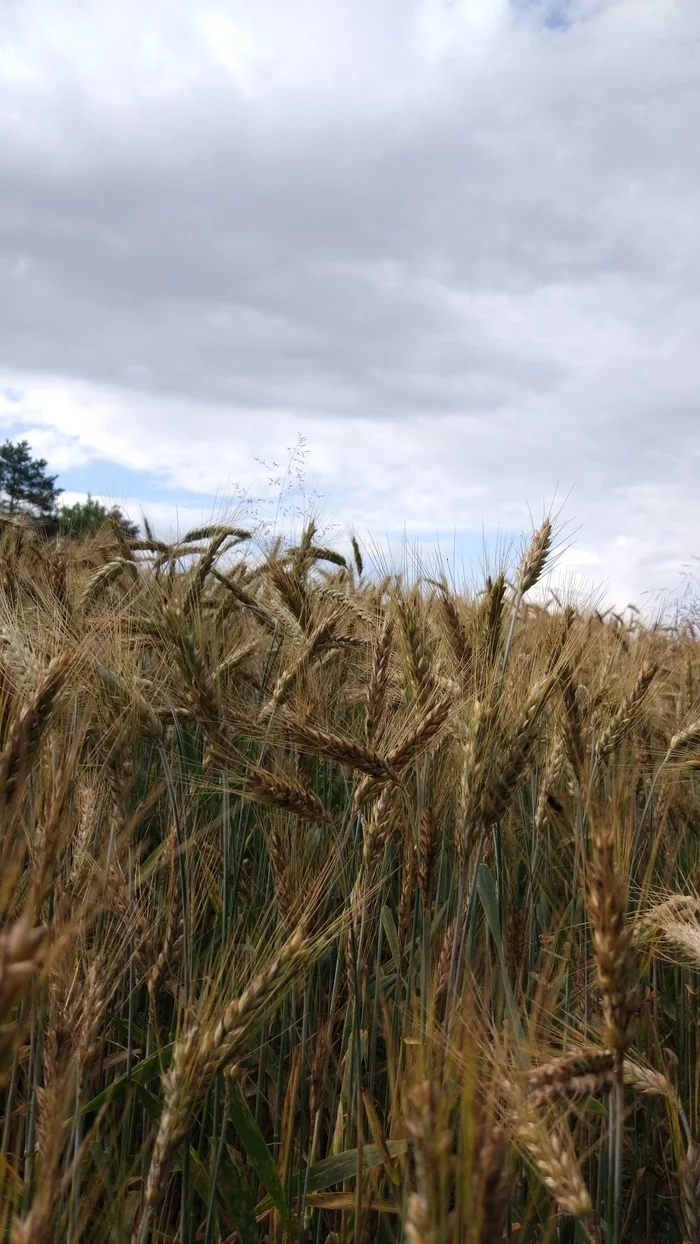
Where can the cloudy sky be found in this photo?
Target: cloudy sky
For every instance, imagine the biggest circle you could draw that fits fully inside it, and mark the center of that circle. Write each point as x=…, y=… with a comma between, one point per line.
x=452, y=243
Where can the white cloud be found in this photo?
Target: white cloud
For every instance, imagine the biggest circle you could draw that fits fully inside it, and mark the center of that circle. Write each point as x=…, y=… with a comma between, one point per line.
x=456, y=245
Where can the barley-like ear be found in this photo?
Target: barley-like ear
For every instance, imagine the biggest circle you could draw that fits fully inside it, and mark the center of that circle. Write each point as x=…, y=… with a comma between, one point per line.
x=574, y=741
x=199, y=689
x=510, y=762
x=180, y=1094
x=478, y=752
x=19, y=658
x=220, y=1043
x=494, y=765
x=246, y=599
x=676, y=909
x=159, y=969
x=375, y=830
x=414, y=743
x=320, y=640
x=129, y=696
x=281, y=876
x=553, y=769
x=559, y=1070
x=490, y=628
x=416, y=1226
x=577, y=1088
x=107, y=574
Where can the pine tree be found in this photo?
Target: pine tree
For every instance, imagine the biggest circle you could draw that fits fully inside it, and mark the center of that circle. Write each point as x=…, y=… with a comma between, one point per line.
x=24, y=483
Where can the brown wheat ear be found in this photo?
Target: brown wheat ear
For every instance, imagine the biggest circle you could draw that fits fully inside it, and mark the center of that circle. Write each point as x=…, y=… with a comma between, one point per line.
x=550, y=1148
x=534, y=559
x=494, y=1177
x=20, y=959
x=589, y=1073
x=423, y=733
x=200, y=1054
x=342, y=750
x=613, y=945
x=624, y=717
x=25, y=735
x=379, y=678
x=265, y=787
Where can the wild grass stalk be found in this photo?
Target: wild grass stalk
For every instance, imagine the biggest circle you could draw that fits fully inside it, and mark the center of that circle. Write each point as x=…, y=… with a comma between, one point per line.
x=292, y=856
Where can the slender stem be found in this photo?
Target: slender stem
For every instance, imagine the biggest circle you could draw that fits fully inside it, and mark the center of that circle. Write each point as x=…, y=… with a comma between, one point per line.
x=509, y=640
x=209, y=1229
x=617, y=1100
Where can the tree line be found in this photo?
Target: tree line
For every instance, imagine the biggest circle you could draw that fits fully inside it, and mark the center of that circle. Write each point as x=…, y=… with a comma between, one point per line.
x=27, y=488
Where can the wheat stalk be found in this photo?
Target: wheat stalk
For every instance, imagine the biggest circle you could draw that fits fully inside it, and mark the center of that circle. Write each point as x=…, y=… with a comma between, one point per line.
x=690, y=1189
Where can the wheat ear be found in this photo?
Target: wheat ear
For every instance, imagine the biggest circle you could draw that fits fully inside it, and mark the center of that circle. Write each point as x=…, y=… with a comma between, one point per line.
x=379, y=678
x=199, y=1055
x=624, y=716
x=264, y=787
x=20, y=958
x=613, y=945
x=25, y=735
x=551, y=1150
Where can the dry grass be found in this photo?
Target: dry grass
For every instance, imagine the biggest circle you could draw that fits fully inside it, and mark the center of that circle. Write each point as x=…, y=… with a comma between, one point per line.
x=340, y=910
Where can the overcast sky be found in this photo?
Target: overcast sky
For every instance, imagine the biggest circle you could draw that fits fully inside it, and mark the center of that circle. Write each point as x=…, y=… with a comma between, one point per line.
x=454, y=243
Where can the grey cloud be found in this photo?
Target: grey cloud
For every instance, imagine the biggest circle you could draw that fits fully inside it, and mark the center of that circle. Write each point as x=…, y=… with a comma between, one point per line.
x=498, y=244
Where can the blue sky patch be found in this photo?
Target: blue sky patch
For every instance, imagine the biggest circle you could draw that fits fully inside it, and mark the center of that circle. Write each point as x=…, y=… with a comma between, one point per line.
x=110, y=479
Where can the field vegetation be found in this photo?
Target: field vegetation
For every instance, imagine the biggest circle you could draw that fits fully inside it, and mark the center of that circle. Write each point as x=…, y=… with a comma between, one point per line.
x=339, y=908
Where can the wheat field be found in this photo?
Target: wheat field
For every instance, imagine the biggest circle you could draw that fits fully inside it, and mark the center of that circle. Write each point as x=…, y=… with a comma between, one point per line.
x=338, y=908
